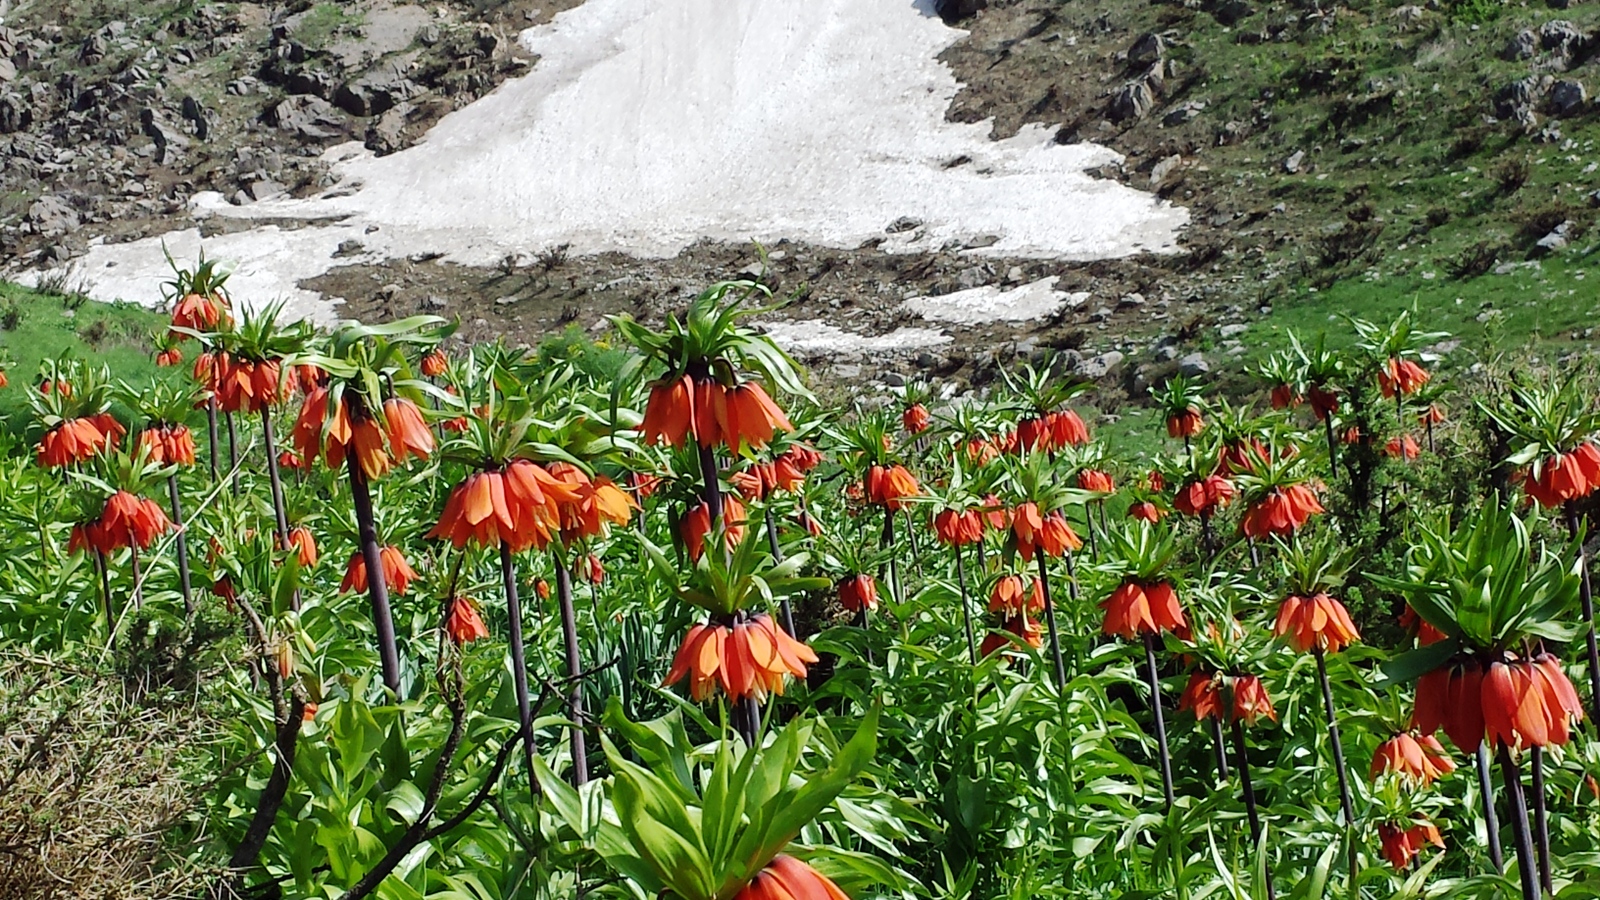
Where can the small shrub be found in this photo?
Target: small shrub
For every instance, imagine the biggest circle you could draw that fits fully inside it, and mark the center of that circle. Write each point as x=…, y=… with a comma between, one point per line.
x=1511, y=175
x=1475, y=260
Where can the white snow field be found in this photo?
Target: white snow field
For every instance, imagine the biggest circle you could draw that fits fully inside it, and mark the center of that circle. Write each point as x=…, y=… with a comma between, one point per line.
x=650, y=124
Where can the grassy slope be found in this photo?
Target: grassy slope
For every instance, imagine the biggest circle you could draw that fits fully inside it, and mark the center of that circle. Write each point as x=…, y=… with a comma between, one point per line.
x=1404, y=178
x=49, y=325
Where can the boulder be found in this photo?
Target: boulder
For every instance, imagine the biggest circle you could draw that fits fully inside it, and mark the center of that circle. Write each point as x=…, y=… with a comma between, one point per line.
x=375, y=93
x=1522, y=46
x=1555, y=240
x=51, y=216
x=15, y=114
x=1149, y=48
x=1193, y=365
x=1131, y=101
x=1099, y=366
x=1567, y=98
x=956, y=10
x=308, y=116
x=1518, y=99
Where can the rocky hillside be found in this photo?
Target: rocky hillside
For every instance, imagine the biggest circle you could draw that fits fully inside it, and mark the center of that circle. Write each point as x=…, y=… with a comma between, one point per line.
x=113, y=112
x=1349, y=158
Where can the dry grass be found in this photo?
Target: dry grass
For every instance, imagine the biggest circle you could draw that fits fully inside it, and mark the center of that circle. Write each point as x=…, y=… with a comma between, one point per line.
x=90, y=787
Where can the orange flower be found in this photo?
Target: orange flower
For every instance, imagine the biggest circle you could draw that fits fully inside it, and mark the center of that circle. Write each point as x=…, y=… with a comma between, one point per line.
x=1011, y=597
x=858, y=592
x=408, y=434
x=128, y=520
x=1451, y=697
x=1324, y=400
x=1283, y=511
x=171, y=356
x=397, y=574
x=479, y=511
x=463, y=623
x=994, y=513
x=1250, y=700
x=748, y=417
x=669, y=414
x=889, y=486
x=1146, y=511
x=1135, y=609
x=748, y=483
x=1560, y=478
x=786, y=878
x=1020, y=627
x=1095, y=480
x=168, y=445
x=542, y=588
x=1067, y=429
x=3, y=379
x=1204, y=496
x=1316, y=621
x=433, y=364
x=1049, y=533
x=247, y=386
x=304, y=544
x=1402, y=447
x=1420, y=759
x=199, y=312
x=916, y=418
x=1433, y=415
x=1202, y=696
x=76, y=440
x=288, y=459
x=1403, y=376
x=535, y=497
x=748, y=659
x=1401, y=845
x=591, y=569
x=1185, y=424
x=957, y=528
x=1241, y=456
x=1529, y=703
x=319, y=431
x=1284, y=397
x=695, y=526
x=588, y=505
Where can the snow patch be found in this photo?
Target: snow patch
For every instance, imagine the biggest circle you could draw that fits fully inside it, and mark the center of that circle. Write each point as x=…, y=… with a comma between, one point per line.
x=815, y=337
x=651, y=124
x=990, y=303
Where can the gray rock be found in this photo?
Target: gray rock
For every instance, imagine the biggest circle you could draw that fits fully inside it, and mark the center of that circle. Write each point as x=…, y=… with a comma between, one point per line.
x=388, y=134
x=1131, y=101
x=307, y=116
x=311, y=81
x=980, y=242
x=1233, y=331
x=1148, y=48
x=167, y=137
x=893, y=379
x=1184, y=112
x=51, y=216
x=956, y=10
x=1292, y=164
x=926, y=360
x=8, y=70
x=435, y=302
x=1231, y=12
x=1567, y=98
x=1518, y=99
x=902, y=224
x=244, y=87
x=1555, y=240
x=1163, y=168
x=376, y=93
x=1192, y=365
x=349, y=247
x=1100, y=366
x=15, y=114
x=1561, y=36
x=1167, y=353
x=1522, y=46
x=1130, y=301
x=265, y=189
x=972, y=277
